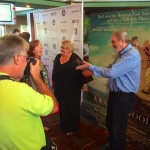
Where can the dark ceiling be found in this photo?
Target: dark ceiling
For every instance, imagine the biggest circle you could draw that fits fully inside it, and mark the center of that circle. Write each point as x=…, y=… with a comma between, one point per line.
x=90, y=6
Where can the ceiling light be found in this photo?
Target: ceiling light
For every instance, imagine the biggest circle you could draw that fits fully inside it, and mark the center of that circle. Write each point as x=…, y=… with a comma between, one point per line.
x=22, y=8
x=28, y=6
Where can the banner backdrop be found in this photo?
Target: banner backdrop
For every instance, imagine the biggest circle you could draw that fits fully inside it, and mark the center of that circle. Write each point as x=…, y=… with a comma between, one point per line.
x=55, y=25
x=136, y=23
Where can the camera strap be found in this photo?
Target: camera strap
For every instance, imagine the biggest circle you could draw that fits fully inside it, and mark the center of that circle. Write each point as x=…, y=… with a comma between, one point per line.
x=6, y=77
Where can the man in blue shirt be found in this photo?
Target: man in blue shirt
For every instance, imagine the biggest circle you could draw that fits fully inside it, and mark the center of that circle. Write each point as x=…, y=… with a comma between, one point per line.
x=124, y=79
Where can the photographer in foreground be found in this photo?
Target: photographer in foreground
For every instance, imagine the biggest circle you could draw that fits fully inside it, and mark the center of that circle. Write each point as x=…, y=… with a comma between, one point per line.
x=20, y=105
x=124, y=79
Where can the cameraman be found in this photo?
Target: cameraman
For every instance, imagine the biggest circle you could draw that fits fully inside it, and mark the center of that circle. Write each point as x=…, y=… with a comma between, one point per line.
x=20, y=105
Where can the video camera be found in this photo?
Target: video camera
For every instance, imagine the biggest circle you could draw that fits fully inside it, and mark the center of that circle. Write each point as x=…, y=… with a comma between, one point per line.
x=25, y=78
x=27, y=69
x=31, y=60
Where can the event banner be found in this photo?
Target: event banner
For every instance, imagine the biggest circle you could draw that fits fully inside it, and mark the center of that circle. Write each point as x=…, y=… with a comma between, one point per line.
x=102, y=25
x=52, y=26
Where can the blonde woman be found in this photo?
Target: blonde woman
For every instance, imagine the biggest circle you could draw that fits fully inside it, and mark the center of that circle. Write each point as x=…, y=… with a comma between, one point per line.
x=67, y=84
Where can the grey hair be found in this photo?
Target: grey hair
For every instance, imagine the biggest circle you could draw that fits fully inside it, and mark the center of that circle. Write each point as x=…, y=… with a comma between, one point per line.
x=121, y=34
x=10, y=45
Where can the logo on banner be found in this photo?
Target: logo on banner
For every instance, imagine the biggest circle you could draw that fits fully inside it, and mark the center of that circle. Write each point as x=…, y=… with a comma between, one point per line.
x=45, y=45
x=63, y=22
x=63, y=12
x=53, y=22
x=64, y=30
x=46, y=52
x=63, y=38
x=75, y=31
x=75, y=11
x=45, y=29
x=44, y=22
x=75, y=21
x=54, y=46
x=53, y=14
x=76, y=40
x=54, y=38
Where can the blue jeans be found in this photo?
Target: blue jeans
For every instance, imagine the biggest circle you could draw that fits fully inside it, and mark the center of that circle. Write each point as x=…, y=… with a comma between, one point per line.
x=119, y=106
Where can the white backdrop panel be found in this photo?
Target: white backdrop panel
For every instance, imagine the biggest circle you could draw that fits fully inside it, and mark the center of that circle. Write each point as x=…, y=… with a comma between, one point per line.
x=55, y=25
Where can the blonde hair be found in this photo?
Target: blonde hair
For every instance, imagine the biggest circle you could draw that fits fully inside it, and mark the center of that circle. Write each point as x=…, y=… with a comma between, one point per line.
x=68, y=45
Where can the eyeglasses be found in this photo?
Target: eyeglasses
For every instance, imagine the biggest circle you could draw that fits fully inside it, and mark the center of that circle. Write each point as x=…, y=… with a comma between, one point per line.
x=62, y=47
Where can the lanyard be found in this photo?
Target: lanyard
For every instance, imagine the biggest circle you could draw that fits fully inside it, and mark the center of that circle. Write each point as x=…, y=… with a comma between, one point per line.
x=6, y=77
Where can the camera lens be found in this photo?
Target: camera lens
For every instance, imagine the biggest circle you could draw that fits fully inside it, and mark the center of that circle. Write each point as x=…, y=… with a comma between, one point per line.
x=32, y=60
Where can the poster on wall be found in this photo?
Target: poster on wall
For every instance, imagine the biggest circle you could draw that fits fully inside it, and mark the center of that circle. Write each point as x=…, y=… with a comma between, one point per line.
x=55, y=25
x=136, y=23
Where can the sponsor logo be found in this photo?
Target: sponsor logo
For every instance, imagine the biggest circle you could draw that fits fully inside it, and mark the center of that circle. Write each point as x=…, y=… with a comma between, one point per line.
x=63, y=22
x=53, y=22
x=45, y=45
x=46, y=52
x=63, y=38
x=53, y=14
x=75, y=21
x=54, y=46
x=75, y=31
x=64, y=30
x=63, y=12
x=45, y=29
x=54, y=38
x=44, y=22
x=76, y=40
x=75, y=11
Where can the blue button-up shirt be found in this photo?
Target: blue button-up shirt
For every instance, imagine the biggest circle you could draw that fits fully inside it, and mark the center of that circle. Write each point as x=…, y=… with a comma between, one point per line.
x=124, y=72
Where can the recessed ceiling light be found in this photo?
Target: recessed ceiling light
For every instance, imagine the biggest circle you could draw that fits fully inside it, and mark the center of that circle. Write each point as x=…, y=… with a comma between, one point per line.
x=28, y=6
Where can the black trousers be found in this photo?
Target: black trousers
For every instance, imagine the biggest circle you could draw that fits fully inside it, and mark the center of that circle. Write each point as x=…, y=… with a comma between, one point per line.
x=119, y=106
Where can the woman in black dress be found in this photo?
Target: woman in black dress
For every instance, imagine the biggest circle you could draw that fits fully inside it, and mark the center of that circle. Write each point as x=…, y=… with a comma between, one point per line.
x=67, y=84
